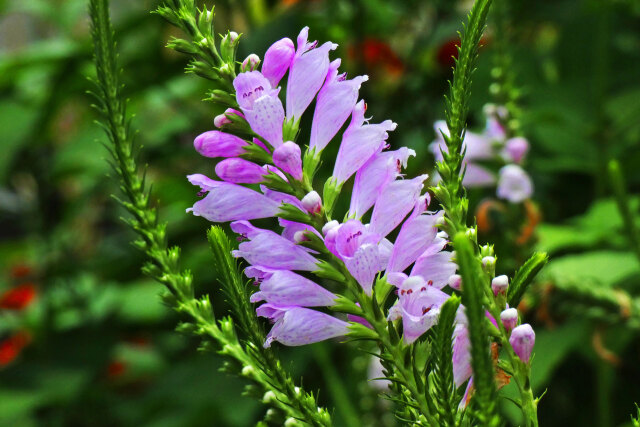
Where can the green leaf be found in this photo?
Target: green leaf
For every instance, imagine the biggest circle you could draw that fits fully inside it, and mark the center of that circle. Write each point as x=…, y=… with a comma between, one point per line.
x=524, y=276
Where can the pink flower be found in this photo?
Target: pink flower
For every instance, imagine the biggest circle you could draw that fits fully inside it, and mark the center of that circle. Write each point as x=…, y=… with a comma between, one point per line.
x=296, y=326
x=277, y=60
x=360, y=141
x=307, y=74
x=335, y=101
x=260, y=105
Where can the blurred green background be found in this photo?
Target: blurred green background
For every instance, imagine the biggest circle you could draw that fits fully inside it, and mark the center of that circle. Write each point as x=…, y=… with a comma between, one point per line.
x=85, y=339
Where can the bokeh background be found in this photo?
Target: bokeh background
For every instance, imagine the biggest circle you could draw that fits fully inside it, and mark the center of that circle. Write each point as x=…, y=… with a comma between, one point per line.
x=84, y=338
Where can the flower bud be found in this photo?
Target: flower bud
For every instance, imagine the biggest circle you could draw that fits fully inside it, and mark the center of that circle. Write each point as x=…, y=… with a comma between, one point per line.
x=219, y=144
x=522, y=340
x=250, y=63
x=330, y=226
x=509, y=318
x=455, y=282
x=516, y=148
x=269, y=397
x=277, y=60
x=442, y=235
x=289, y=159
x=499, y=284
x=471, y=233
x=299, y=237
x=488, y=262
x=312, y=202
x=228, y=46
x=223, y=119
x=240, y=171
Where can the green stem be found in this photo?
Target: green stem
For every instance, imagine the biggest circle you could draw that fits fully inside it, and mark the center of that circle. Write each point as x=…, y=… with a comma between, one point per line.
x=622, y=200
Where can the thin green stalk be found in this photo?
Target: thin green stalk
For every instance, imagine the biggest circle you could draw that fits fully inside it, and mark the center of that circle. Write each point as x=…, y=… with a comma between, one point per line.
x=163, y=264
x=622, y=200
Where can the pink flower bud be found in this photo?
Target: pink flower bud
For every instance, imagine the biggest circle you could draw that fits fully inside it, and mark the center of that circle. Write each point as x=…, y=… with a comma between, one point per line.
x=330, y=226
x=277, y=60
x=516, y=149
x=219, y=144
x=250, y=63
x=289, y=159
x=522, y=340
x=312, y=202
x=223, y=119
x=499, y=284
x=509, y=318
x=240, y=171
x=299, y=236
x=455, y=282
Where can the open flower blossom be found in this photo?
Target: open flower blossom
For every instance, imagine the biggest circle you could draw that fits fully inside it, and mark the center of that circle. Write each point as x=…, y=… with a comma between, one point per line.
x=388, y=232
x=488, y=148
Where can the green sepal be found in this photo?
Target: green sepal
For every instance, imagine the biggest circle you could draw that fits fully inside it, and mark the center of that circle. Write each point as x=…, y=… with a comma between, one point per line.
x=290, y=130
x=293, y=213
x=361, y=332
x=228, y=48
x=330, y=194
x=310, y=163
x=327, y=271
x=345, y=305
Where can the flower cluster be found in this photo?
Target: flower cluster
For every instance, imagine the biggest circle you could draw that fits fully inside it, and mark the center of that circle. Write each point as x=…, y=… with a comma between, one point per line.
x=388, y=234
x=487, y=149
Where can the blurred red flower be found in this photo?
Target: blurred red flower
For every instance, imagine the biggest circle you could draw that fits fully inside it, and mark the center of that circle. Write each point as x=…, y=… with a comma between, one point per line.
x=115, y=369
x=378, y=54
x=11, y=347
x=20, y=271
x=18, y=297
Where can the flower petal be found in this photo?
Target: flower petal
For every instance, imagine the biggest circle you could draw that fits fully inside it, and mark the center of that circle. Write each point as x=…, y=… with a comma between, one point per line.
x=285, y=287
x=394, y=203
x=301, y=326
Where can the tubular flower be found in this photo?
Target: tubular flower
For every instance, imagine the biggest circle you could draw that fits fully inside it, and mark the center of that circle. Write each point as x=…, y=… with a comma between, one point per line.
x=287, y=265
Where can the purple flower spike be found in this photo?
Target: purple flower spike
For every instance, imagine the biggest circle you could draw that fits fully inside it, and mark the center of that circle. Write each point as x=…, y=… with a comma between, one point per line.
x=516, y=148
x=514, y=184
x=360, y=141
x=289, y=159
x=285, y=287
x=461, y=355
x=240, y=171
x=522, y=340
x=394, y=203
x=277, y=60
x=219, y=144
x=335, y=101
x=301, y=326
x=419, y=307
x=230, y=202
x=260, y=105
x=509, y=318
x=308, y=72
x=270, y=250
x=374, y=176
